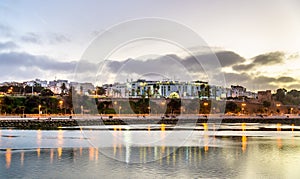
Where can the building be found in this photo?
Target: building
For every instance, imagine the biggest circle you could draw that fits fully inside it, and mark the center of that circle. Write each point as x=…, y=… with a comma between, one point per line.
x=56, y=86
x=264, y=96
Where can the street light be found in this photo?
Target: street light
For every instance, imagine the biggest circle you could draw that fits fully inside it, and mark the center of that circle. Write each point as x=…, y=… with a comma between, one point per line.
x=243, y=107
x=205, y=104
x=120, y=107
x=278, y=106
x=60, y=104
x=40, y=110
x=149, y=109
x=163, y=103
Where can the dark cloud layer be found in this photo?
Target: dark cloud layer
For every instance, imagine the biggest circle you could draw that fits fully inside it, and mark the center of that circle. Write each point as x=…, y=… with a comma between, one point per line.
x=261, y=60
x=269, y=58
x=31, y=37
x=58, y=38
x=286, y=79
x=8, y=45
x=17, y=65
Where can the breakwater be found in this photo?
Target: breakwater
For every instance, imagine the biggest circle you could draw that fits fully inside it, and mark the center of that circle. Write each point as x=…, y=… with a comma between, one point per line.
x=53, y=124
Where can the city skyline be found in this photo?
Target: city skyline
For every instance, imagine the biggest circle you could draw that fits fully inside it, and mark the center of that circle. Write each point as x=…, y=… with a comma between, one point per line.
x=257, y=43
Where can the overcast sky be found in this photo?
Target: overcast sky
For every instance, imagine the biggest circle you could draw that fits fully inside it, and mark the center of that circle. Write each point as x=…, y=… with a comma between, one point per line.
x=256, y=42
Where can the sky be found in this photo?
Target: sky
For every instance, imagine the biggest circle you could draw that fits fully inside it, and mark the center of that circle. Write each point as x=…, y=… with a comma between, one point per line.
x=257, y=43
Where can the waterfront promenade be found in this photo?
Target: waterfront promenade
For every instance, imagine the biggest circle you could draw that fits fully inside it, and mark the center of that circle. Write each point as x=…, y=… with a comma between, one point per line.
x=56, y=122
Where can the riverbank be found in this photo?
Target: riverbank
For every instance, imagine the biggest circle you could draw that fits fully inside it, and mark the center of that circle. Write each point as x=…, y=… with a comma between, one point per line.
x=59, y=122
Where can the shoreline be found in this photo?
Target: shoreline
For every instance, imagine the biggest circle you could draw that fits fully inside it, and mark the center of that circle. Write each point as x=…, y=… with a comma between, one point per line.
x=54, y=123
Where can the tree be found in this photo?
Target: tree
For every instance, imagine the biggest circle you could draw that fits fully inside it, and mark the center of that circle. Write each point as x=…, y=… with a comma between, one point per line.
x=100, y=90
x=46, y=92
x=266, y=104
x=63, y=89
x=280, y=94
x=231, y=107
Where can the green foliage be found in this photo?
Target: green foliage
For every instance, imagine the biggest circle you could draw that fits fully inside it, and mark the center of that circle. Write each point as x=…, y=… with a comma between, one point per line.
x=231, y=107
x=287, y=97
x=46, y=92
x=266, y=104
x=100, y=90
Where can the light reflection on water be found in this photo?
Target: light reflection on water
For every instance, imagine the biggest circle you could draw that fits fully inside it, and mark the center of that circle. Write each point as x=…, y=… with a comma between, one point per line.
x=234, y=155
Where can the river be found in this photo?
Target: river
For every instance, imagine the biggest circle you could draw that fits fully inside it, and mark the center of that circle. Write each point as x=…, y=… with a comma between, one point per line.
x=141, y=151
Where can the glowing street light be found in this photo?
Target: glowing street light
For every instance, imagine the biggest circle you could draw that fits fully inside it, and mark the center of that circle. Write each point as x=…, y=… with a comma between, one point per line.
x=61, y=102
x=243, y=107
x=40, y=110
x=120, y=107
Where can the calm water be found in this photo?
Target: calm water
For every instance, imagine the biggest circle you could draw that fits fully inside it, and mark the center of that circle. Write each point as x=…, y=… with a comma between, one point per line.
x=150, y=153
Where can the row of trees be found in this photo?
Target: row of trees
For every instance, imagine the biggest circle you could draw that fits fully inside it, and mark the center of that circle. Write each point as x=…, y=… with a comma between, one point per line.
x=291, y=97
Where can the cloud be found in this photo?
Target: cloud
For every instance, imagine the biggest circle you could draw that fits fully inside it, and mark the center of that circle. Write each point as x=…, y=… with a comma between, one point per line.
x=243, y=67
x=286, y=79
x=228, y=58
x=22, y=65
x=263, y=80
x=269, y=58
x=261, y=60
x=8, y=45
x=294, y=86
x=31, y=37
x=16, y=65
x=5, y=30
x=58, y=38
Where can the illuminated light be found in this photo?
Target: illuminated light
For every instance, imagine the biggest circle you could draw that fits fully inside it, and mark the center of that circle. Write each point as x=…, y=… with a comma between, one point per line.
x=244, y=104
x=163, y=148
x=8, y=157
x=38, y=151
x=59, y=152
x=22, y=158
x=293, y=125
x=243, y=126
x=205, y=126
x=149, y=128
x=278, y=127
x=278, y=105
x=115, y=149
x=39, y=137
x=206, y=148
x=80, y=151
x=174, y=156
x=91, y=153
x=168, y=155
x=141, y=156
x=51, y=155
x=115, y=128
x=145, y=154
x=60, y=138
x=96, y=154
x=279, y=143
x=163, y=127
x=205, y=103
x=244, y=143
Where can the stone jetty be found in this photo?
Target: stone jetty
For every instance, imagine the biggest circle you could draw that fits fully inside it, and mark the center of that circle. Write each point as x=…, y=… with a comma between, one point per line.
x=57, y=123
